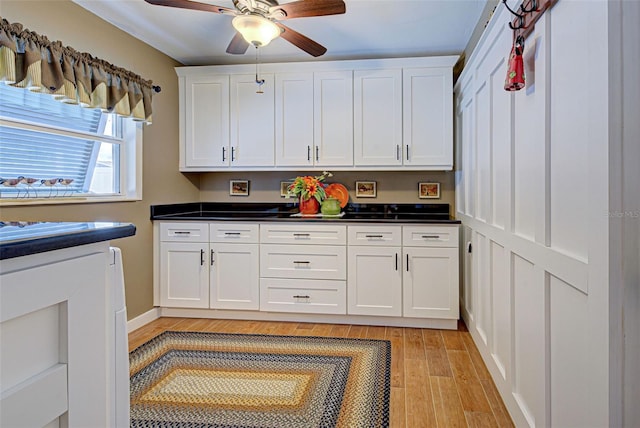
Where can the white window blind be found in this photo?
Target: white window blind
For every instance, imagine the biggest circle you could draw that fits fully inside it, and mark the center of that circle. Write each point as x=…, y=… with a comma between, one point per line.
x=51, y=149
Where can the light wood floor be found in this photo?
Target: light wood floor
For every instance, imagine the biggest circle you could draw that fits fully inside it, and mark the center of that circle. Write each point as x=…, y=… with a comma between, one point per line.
x=438, y=378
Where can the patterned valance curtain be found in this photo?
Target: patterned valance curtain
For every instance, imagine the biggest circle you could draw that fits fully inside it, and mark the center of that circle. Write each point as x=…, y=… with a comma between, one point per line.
x=31, y=61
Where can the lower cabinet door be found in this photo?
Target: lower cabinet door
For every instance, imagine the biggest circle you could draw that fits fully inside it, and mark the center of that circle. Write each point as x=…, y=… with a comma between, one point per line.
x=374, y=281
x=430, y=283
x=234, y=277
x=184, y=275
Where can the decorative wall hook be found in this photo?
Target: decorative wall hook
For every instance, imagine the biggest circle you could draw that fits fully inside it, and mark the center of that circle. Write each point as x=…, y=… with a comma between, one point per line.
x=532, y=8
x=529, y=12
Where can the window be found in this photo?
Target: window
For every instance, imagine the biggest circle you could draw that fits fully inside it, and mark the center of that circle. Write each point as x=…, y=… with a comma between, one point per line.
x=53, y=150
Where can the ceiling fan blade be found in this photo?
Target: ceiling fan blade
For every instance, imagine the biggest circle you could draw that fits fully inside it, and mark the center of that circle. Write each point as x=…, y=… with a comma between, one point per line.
x=301, y=41
x=305, y=8
x=238, y=45
x=186, y=4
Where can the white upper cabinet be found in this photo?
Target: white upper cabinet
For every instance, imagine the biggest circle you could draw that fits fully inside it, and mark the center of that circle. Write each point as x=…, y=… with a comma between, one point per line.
x=252, y=121
x=385, y=114
x=427, y=117
x=205, y=122
x=333, y=118
x=377, y=120
x=294, y=119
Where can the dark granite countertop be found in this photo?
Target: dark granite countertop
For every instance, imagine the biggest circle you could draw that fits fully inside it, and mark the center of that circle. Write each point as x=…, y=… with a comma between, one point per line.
x=282, y=212
x=24, y=238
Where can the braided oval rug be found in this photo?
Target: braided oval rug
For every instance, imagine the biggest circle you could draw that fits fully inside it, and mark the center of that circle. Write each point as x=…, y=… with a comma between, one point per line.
x=197, y=380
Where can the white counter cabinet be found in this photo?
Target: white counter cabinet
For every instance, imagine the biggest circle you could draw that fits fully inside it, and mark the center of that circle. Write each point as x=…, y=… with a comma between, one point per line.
x=431, y=272
x=401, y=274
x=202, y=265
x=375, y=270
x=63, y=358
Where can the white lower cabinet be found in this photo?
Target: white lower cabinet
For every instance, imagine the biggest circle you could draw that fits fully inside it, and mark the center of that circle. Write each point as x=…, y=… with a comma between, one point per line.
x=430, y=276
x=430, y=283
x=221, y=274
x=299, y=272
x=184, y=274
x=375, y=270
x=375, y=281
x=408, y=271
x=234, y=276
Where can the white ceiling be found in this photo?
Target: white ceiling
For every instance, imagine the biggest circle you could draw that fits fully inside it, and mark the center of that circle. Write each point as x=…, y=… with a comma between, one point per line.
x=369, y=29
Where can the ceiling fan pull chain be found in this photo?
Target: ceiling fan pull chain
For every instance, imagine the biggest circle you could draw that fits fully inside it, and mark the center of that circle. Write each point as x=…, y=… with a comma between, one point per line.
x=260, y=82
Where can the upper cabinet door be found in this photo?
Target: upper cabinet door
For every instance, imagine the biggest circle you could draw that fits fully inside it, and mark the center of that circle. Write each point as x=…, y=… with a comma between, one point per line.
x=294, y=119
x=252, y=121
x=333, y=118
x=206, y=121
x=377, y=119
x=428, y=117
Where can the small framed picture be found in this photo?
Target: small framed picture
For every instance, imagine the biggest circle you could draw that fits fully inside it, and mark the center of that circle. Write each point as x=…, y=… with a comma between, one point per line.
x=365, y=189
x=239, y=187
x=429, y=190
x=284, y=189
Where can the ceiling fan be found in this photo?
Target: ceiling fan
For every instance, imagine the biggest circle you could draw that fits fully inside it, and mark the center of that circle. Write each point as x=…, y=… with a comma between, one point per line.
x=257, y=21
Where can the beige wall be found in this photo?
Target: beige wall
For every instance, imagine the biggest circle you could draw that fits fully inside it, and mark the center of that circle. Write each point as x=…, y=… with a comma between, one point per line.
x=162, y=183
x=392, y=187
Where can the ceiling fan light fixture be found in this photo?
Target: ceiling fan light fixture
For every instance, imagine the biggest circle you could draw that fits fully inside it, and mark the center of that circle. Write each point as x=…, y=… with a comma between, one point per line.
x=255, y=29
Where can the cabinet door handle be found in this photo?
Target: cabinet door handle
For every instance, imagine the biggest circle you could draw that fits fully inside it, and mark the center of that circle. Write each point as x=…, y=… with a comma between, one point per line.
x=396, y=261
x=407, y=262
x=224, y=154
x=309, y=153
x=233, y=154
x=430, y=236
x=212, y=260
x=398, y=152
x=317, y=153
x=301, y=297
x=181, y=232
x=301, y=262
x=373, y=236
x=201, y=257
x=407, y=152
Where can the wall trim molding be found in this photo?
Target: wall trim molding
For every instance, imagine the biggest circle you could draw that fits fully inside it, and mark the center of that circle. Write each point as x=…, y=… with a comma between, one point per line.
x=143, y=319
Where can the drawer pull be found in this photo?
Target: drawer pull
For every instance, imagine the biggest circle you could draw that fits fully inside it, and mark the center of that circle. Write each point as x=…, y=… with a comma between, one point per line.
x=232, y=233
x=430, y=236
x=301, y=234
x=374, y=236
x=301, y=262
x=301, y=297
x=179, y=232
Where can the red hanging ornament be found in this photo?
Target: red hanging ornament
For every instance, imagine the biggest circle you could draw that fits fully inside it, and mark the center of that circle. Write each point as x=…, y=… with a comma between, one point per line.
x=515, y=72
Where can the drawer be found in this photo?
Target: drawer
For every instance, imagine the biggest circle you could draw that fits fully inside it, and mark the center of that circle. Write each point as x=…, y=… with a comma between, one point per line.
x=430, y=236
x=303, y=261
x=234, y=232
x=303, y=234
x=184, y=232
x=306, y=296
x=374, y=235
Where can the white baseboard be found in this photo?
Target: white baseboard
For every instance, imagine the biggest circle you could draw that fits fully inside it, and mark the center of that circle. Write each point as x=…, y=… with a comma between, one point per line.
x=145, y=318
x=314, y=318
